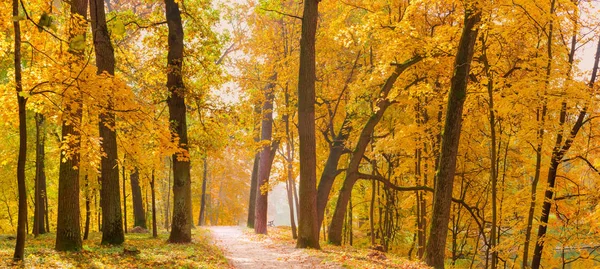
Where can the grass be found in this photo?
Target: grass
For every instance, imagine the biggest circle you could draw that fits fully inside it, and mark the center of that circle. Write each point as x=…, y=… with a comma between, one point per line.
x=153, y=253
x=346, y=256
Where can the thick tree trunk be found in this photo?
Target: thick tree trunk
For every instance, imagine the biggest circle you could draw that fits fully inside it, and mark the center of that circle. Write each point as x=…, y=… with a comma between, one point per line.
x=139, y=215
x=68, y=229
x=308, y=221
x=330, y=171
x=22, y=220
x=112, y=220
x=39, y=215
x=264, y=168
x=201, y=218
x=442, y=198
x=181, y=224
x=154, y=225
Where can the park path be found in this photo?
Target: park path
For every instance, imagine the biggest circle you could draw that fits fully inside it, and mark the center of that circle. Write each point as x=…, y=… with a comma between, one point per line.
x=245, y=253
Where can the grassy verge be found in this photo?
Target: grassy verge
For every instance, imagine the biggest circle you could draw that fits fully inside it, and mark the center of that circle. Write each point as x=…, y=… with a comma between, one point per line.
x=139, y=251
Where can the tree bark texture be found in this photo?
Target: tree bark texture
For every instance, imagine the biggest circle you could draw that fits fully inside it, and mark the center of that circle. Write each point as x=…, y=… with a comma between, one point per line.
x=39, y=215
x=68, y=229
x=265, y=163
x=442, y=198
x=22, y=158
x=139, y=216
x=181, y=224
x=112, y=220
x=308, y=226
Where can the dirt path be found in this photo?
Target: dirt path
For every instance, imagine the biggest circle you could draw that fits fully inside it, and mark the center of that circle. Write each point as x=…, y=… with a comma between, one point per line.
x=245, y=253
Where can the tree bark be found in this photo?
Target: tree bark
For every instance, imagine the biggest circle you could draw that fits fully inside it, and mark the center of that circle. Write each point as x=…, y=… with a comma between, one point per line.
x=308, y=221
x=112, y=220
x=442, y=198
x=39, y=215
x=352, y=175
x=154, y=225
x=22, y=158
x=181, y=224
x=202, y=217
x=88, y=213
x=560, y=149
x=139, y=216
x=124, y=179
x=264, y=168
x=68, y=229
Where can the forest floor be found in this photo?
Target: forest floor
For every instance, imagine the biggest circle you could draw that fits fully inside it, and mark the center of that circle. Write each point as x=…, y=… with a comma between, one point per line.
x=246, y=250
x=139, y=251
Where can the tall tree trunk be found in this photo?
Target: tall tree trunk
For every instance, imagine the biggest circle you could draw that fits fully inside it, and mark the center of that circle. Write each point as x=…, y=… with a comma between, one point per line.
x=330, y=171
x=254, y=177
x=253, y=187
x=22, y=220
x=124, y=179
x=112, y=220
x=308, y=221
x=201, y=218
x=39, y=215
x=136, y=195
x=181, y=225
x=352, y=173
x=264, y=168
x=68, y=229
x=560, y=149
x=154, y=225
x=541, y=118
x=442, y=198
x=88, y=213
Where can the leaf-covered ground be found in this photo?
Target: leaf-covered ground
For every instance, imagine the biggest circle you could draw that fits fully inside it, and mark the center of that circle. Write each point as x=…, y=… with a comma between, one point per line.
x=345, y=256
x=153, y=253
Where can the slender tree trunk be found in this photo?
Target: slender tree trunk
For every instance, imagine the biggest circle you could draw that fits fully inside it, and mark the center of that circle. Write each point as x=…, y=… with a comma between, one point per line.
x=541, y=117
x=264, y=168
x=289, y=182
x=201, y=218
x=560, y=149
x=154, y=225
x=308, y=221
x=136, y=195
x=88, y=213
x=254, y=178
x=112, y=220
x=124, y=178
x=181, y=225
x=352, y=173
x=442, y=198
x=68, y=229
x=22, y=220
x=40, y=176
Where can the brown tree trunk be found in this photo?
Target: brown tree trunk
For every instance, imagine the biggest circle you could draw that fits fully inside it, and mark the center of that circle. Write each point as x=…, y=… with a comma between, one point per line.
x=68, y=229
x=264, y=168
x=139, y=216
x=308, y=221
x=201, y=218
x=22, y=220
x=124, y=179
x=88, y=213
x=154, y=225
x=112, y=220
x=560, y=149
x=39, y=215
x=442, y=198
x=181, y=224
x=352, y=174
x=253, y=184
x=541, y=118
